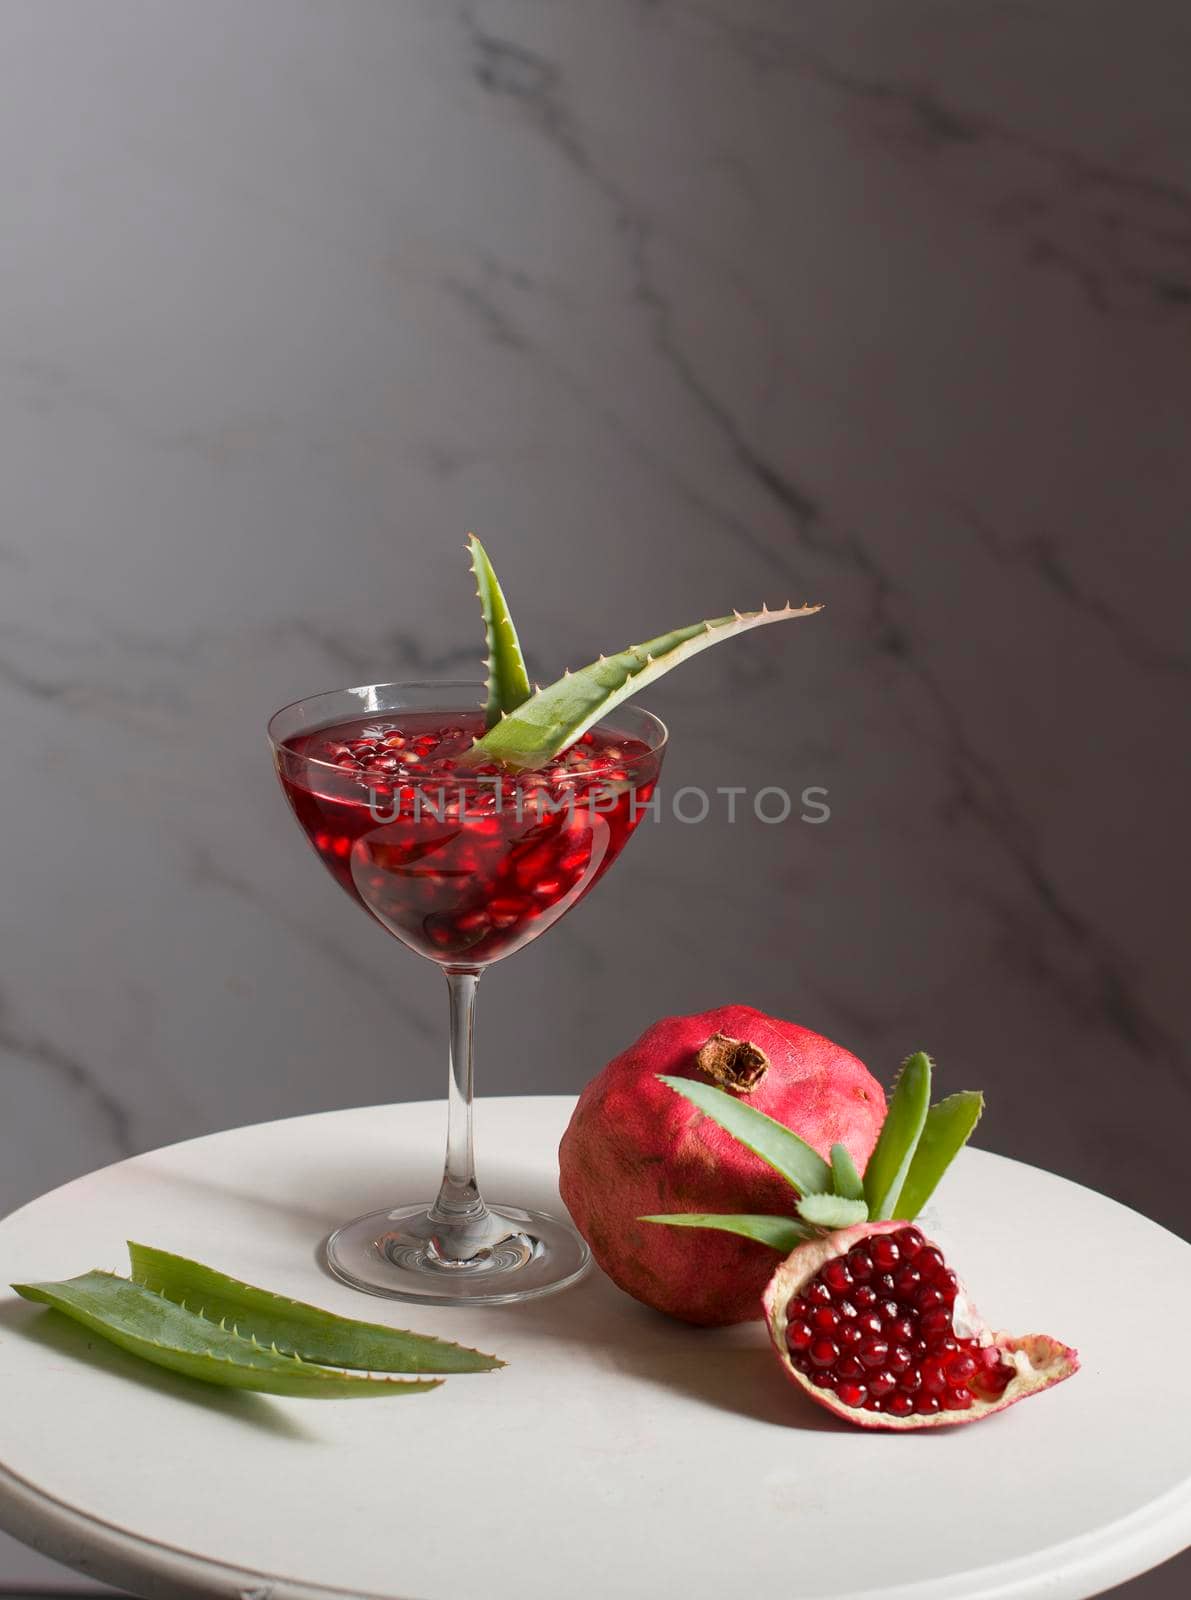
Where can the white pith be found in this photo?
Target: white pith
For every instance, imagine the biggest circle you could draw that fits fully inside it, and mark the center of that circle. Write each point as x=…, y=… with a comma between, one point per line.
x=1039, y=1361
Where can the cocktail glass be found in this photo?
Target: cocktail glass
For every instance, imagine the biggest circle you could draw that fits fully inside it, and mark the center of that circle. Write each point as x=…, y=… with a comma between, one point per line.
x=464, y=865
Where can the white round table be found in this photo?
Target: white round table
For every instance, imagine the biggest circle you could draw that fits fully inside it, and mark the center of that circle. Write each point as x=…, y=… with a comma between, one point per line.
x=619, y=1454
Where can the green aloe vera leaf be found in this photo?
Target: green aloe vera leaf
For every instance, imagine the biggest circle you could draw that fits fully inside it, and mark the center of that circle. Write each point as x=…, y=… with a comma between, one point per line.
x=554, y=717
x=947, y=1129
x=293, y=1327
x=150, y=1326
x=845, y=1179
x=900, y=1132
x=802, y=1168
x=779, y=1233
x=831, y=1211
x=508, y=682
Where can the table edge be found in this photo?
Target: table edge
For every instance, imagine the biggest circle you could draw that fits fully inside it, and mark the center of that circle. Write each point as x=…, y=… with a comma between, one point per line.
x=1114, y=1554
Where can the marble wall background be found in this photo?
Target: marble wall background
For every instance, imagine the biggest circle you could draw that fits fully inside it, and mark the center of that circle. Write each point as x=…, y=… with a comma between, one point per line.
x=682, y=306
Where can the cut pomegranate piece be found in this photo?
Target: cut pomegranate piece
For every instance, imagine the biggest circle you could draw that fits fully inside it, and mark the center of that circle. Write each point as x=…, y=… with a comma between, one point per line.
x=946, y=1367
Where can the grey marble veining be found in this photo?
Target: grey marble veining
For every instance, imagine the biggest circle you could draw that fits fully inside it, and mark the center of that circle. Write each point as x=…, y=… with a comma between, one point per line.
x=682, y=306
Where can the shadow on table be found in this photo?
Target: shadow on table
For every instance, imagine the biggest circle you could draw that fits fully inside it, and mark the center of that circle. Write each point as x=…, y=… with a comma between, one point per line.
x=56, y=1333
x=732, y=1369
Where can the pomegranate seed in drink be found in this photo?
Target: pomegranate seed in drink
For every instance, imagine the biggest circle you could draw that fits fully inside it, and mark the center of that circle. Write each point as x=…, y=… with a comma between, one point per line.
x=450, y=867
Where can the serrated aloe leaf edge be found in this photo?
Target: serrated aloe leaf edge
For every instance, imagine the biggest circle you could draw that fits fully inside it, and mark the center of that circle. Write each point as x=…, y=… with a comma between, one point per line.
x=890, y=1161
x=294, y=1327
x=507, y=680
x=831, y=1211
x=554, y=717
x=802, y=1168
x=948, y=1127
x=147, y=1325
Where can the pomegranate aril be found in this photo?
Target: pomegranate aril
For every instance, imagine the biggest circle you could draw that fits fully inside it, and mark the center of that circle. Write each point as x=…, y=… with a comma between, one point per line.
x=909, y=1242
x=905, y=1281
x=929, y=1261
x=900, y=1359
x=899, y=1405
x=864, y=1297
x=881, y=1383
x=960, y=1368
x=472, y=921
x=852, y=1394
x=888, y=1311
x=847, y=1367
x=933, y=1380
x=505, y=912
x=926, y=1405
x=883, y=1284
x=824, y=1319
x=824, y=1352
x=957, y=1399
x=873, y=1353
x=836, y=1275
x=901, y=1331
x=846, y=1310
x=849, y=1336
x=928, y=1297
x=799, y=1335
x=860, y=1265
x=870, y=1323
x=910, y=1382
x=824, y=1380
x=935, y=1323
x=884, y=1252
x=817, y=1294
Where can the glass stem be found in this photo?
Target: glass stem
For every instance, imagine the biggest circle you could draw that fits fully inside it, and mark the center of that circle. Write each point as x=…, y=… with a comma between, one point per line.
x=461, y=1219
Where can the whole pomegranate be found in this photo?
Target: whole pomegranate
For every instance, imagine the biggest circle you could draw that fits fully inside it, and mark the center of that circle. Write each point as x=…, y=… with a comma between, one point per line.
x=634, y=1148
x=872, y=1323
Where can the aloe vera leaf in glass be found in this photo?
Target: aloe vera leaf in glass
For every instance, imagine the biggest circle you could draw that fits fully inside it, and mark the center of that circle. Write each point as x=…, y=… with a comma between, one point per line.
x=554, y=717
x=294, y=1327
x=149, y=1326
x=507, y=680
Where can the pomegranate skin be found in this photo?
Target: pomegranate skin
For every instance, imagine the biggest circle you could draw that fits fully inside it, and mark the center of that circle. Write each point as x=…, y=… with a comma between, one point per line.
x=635, y=1148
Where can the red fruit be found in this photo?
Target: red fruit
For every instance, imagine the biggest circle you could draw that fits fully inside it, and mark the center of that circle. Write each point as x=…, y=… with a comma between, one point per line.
x=953, y=1369
x=634, y=1148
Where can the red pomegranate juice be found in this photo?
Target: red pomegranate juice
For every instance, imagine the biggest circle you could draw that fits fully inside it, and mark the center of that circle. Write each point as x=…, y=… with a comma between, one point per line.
x=464, y=865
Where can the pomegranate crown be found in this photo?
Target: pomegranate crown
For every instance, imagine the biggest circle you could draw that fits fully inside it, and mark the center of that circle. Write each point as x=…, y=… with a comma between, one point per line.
x=916, y=1145
x=527, y=727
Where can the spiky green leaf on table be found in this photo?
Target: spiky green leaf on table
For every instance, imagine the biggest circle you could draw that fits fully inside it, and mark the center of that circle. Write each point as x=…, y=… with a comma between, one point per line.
x=294, y=1327
x=507, y=681
x=148, y=1325
x=554, y=717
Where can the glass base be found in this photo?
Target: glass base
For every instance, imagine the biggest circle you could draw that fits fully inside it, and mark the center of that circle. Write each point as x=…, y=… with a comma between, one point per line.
x=512, y=1255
